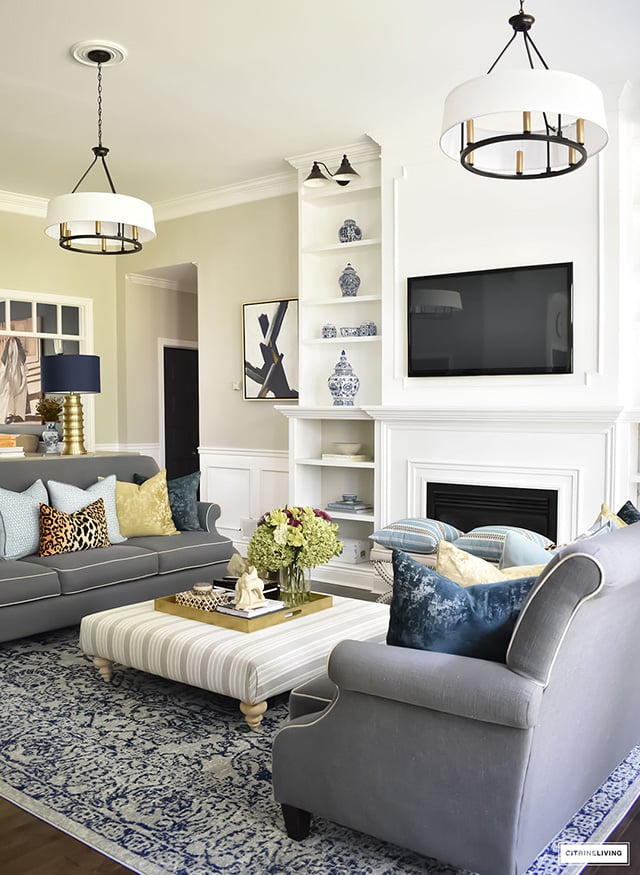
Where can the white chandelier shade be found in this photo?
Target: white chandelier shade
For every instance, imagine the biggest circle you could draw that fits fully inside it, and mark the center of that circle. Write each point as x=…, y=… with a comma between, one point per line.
x=92, y=217
x=496, y=104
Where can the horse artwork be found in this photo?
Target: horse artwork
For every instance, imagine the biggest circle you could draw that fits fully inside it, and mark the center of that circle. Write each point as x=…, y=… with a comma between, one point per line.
x=249, y=590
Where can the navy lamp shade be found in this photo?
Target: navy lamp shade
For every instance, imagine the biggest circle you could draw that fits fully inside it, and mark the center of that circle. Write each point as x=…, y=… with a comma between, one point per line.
x=71, y=374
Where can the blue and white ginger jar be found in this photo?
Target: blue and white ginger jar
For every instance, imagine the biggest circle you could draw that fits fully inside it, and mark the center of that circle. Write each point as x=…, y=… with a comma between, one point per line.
x=349, y=282
x=343, y=383
x=349, y=232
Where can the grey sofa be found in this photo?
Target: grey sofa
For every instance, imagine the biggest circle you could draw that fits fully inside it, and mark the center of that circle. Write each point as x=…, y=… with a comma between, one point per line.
x=42, y=593
x=478, y=764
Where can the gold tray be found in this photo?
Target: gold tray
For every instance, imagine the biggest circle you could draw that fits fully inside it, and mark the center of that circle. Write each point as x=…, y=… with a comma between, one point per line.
x=317, y=602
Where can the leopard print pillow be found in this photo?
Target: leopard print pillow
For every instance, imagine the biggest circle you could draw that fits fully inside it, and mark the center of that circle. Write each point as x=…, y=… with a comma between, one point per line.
x=68, y=532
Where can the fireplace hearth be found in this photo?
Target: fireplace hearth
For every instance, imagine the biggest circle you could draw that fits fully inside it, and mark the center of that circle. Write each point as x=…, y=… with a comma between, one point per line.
x=468, y=506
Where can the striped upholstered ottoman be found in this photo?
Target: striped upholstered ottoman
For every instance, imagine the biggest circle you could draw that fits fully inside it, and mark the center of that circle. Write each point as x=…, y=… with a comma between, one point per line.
x=249, y=666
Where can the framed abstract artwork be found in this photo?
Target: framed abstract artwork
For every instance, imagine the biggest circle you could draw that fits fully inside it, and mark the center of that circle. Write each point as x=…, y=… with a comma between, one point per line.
x=270, y=350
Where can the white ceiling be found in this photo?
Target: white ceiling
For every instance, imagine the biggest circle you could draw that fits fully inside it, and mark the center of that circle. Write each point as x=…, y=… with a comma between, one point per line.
x=216, y=93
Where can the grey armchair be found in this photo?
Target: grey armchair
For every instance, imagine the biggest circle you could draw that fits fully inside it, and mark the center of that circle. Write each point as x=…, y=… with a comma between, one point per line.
x=478, y=764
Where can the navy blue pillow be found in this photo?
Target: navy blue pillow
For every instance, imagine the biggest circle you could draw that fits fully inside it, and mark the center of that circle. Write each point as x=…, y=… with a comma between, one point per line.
x=629, y=513
x=430, y=612
x=183, y=496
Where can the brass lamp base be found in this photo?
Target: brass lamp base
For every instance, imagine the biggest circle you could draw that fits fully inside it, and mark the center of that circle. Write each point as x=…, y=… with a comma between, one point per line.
x=73, y=426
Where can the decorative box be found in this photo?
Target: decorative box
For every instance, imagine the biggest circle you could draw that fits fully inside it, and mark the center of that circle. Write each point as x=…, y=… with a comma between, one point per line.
x=354, y=552
x=207, y=602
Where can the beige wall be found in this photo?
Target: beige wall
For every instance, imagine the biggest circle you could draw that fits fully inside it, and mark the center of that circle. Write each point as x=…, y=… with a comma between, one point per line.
x=243, y=253
x=31, y=262
x=147, y=315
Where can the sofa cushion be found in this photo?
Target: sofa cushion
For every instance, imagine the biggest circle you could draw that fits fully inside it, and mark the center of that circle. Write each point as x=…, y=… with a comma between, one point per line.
x=488, y=541
x=89, y=569
x=22, y=581
x=183, y=500
x=190, y=550
x=61, y=532
x=144, y=509
x=431, y=612
x=519, y=550
x=629, y=513
x=415, y=535
x=20, y=520
x=466, y=569
x=70, y=498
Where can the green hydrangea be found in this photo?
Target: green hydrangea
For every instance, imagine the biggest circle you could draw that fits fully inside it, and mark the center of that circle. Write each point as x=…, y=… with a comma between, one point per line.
x=298, y=536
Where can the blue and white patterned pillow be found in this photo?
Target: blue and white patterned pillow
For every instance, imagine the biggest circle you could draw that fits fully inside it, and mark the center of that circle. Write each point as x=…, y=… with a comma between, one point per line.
x=415, y=535
x=70, y=498
x=488, y=541
x=20, y=520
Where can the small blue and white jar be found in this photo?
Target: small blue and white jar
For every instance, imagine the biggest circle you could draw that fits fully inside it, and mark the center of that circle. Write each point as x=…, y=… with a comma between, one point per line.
x=349, y=282
x=368, y=329
x=349, y=232
x=329, y=331
x=51, y=438
x=343, y=383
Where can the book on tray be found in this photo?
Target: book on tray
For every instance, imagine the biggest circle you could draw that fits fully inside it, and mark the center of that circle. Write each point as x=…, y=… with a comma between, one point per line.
x=274, y=605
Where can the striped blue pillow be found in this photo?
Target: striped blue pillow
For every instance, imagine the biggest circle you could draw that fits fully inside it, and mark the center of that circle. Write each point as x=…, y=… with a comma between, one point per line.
x=488, y=541
x=415, y=535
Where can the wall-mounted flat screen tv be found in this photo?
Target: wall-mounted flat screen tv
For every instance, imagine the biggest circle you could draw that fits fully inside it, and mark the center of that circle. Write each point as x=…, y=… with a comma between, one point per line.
x=512, y=320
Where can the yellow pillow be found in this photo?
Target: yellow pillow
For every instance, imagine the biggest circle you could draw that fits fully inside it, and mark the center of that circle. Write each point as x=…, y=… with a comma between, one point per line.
x=145, y=510
x=465, y=569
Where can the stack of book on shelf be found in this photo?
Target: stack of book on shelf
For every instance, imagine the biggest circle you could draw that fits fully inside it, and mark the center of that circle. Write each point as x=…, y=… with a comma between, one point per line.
x=274, y=605
x=8, y=446
x=343, y=506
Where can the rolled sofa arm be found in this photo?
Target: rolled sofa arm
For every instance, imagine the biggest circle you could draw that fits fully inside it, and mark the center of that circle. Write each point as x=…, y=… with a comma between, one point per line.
x=208, y=513
x=474, y=688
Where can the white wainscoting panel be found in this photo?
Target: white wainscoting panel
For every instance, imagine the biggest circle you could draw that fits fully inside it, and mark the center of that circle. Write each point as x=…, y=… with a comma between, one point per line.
x=245, y=483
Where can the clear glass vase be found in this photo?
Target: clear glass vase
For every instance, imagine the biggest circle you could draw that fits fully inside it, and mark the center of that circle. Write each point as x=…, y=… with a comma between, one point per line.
x=293, y=584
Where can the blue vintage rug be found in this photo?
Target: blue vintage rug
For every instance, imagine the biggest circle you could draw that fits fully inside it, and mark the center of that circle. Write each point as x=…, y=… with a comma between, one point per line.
x=165, y=778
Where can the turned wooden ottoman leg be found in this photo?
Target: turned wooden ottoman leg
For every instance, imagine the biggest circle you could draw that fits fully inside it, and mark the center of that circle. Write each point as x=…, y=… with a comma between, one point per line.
x=253, y=713
x=104, y=666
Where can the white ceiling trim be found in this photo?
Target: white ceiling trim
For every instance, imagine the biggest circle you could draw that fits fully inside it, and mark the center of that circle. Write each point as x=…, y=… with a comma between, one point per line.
x=227, y=196
x=157, y=282
x=200, y=202
x=25, y=204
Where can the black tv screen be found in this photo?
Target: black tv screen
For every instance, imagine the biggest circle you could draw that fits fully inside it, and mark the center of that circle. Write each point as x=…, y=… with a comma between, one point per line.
x=512, y=320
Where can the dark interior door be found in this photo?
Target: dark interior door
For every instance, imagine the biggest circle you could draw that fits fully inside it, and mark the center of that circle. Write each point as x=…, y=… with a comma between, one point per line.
x=181, y=421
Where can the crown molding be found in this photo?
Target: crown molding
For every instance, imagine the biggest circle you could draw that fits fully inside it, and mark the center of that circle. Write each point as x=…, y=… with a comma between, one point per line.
x=157, y=282
x=25, y=204
x=226, y=196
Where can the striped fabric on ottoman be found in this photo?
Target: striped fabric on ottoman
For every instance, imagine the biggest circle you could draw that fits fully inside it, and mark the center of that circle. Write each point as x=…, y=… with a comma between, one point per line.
x=250, y=666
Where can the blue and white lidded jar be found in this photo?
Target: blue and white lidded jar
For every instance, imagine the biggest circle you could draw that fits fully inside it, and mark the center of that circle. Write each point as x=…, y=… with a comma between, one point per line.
x=51, y=438
x=329, y=330
x=343, y=383
x=349, y=232
x=349, y=282
x=368, y=329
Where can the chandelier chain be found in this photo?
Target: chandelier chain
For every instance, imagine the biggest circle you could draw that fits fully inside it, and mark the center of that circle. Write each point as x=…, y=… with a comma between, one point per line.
x=99, y=104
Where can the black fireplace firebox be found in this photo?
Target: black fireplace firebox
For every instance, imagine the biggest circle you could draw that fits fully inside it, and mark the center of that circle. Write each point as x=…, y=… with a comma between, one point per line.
x=469, y=506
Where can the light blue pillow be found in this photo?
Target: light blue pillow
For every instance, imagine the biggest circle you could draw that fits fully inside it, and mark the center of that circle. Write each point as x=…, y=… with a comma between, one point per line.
x=20, y=518
x=69, y=498
x=415, y=535
x=488, y=541
x=430, y=612
x=519, y=550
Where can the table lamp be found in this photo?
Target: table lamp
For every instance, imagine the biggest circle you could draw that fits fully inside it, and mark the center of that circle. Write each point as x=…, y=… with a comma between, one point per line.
x=71, y=375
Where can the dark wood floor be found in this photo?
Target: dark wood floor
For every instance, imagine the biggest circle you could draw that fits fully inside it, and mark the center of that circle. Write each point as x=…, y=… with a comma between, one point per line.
x=31, y=847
